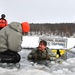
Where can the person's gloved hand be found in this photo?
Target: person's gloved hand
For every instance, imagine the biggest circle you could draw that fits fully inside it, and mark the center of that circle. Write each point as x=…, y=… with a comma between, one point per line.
x=57, y=56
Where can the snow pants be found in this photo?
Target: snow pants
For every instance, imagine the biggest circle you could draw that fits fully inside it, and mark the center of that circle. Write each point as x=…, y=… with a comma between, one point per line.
x=9, y=57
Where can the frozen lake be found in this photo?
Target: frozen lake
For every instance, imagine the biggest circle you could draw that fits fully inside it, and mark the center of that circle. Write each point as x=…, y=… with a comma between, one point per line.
x=26, y=68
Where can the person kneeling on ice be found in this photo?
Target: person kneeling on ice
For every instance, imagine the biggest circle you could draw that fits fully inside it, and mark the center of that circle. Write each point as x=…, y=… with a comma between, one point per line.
x=42, y=52
x=10, y=41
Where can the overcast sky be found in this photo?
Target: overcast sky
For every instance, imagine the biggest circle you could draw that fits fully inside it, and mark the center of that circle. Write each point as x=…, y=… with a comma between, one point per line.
x=38, y=11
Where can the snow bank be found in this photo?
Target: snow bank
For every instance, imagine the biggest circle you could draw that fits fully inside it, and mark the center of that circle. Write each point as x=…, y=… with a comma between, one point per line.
x=70, y=42
x=33, y=41
x=30, y=42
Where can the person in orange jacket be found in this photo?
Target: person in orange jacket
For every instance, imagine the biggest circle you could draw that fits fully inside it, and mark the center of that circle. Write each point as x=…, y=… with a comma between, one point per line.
x=3, y=21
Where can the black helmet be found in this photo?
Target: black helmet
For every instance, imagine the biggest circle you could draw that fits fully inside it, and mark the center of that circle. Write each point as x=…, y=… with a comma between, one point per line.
x=3, y=16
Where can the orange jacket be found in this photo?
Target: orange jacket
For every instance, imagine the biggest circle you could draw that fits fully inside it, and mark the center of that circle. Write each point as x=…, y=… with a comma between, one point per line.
x=3, y=23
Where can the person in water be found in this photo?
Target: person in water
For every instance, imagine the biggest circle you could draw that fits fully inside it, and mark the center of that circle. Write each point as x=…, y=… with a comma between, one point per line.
x=42, y=52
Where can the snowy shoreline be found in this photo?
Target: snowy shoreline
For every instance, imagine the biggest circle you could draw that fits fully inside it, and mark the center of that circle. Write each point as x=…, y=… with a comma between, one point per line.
x=30, y=42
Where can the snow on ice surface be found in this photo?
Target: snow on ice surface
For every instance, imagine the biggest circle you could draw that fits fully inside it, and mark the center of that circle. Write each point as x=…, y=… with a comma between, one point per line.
x=66, y=68
x=28, y=68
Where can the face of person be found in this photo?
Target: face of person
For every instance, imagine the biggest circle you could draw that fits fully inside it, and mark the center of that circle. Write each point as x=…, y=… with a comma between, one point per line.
x=41, y=47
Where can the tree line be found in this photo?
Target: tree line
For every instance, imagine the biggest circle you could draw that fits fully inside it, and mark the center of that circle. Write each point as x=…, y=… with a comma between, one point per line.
x=57, y=29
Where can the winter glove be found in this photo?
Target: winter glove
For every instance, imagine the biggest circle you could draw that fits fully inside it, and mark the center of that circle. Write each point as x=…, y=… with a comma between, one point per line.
x=57, y=56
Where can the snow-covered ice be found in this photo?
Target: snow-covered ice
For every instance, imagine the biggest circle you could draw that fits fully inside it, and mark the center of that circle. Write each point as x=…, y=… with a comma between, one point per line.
x=67, y=67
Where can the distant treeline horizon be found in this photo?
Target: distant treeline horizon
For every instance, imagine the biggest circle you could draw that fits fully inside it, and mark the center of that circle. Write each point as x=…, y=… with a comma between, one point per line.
x=62, y=29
